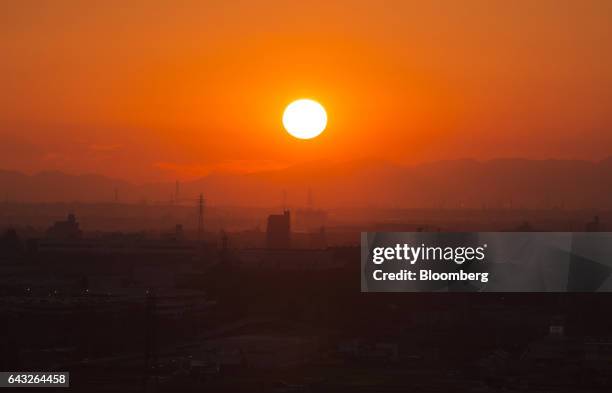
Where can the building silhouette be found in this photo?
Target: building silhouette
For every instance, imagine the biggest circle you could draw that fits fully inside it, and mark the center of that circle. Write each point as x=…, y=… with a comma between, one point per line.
x=594, y=226
x=318, y=239
x=11, y=245
x=65, y=230
x=278, y=234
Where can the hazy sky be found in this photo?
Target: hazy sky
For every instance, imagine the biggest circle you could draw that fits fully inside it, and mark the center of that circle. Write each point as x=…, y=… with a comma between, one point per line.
x=148, y=90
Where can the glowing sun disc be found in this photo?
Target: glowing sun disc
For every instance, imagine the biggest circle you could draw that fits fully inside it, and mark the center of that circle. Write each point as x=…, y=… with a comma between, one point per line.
x=305, y=119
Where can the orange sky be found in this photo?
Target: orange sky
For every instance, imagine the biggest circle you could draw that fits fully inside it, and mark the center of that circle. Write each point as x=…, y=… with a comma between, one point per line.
x=162, y=89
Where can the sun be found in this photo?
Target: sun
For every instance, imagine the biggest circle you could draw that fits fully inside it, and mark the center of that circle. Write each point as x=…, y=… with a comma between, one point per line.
x=305, y=119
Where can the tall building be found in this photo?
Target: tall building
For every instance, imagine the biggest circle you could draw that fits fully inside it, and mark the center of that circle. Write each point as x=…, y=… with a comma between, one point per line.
x=65, y=230
x=279, y=231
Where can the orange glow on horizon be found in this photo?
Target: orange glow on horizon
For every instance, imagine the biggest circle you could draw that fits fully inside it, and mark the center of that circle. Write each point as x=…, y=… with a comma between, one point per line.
x=160, y=91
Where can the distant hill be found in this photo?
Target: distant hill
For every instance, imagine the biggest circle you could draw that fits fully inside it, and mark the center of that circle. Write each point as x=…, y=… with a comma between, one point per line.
x=468, y=183
x=58, y=187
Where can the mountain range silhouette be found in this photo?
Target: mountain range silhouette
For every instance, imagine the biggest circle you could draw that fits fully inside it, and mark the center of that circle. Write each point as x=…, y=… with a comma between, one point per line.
x=508, y=183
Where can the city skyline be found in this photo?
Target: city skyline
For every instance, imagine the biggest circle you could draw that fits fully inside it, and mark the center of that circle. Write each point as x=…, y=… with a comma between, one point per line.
x=213, y=195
